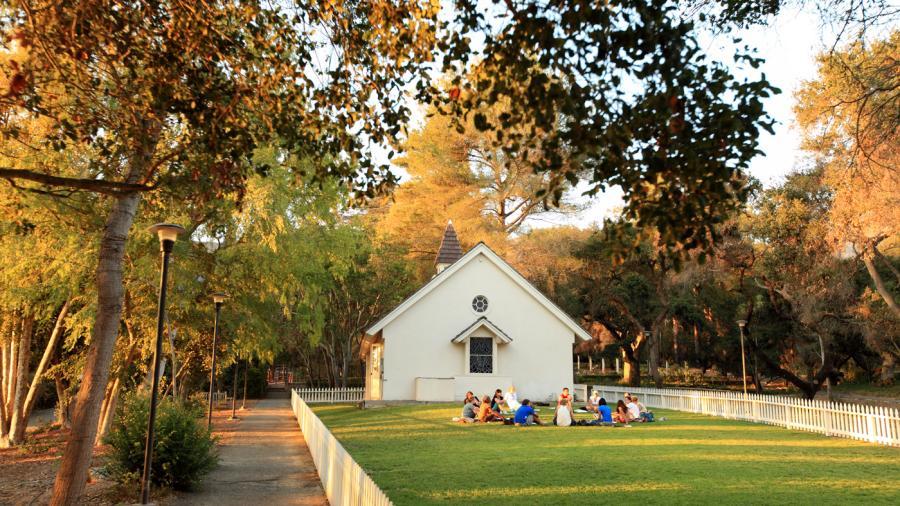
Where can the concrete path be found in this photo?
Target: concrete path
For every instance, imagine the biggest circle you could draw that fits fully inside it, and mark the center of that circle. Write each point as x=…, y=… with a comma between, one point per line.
x=265, y=462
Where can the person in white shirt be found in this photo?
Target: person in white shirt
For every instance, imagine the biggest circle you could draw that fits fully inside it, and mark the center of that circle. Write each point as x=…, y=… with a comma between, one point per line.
x=634, y=412
x=511, y=399
x=640, y=405
x=646, y=414
x=594, y=402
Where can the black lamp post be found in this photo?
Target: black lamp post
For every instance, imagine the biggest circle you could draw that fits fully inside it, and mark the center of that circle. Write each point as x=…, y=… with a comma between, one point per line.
x=167, y=234
x=648, y=337
x=234, y=387
x=218, y=299
x=741, y=325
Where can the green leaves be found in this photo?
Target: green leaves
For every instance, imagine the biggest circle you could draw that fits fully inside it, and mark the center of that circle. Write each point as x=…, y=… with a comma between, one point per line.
x=594, y=84
x=183, y=451
x=194, y=93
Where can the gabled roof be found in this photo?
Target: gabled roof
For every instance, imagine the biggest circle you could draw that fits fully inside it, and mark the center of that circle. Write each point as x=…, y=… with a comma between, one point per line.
x=483, y=250
x=450, y=250
x=477, y=324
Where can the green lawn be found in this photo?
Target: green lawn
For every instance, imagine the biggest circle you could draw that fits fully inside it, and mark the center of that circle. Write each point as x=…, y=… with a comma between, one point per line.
x=418, y=456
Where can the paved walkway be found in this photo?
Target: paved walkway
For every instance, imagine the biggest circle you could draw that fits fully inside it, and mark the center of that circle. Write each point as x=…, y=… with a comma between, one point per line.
x=265, y=463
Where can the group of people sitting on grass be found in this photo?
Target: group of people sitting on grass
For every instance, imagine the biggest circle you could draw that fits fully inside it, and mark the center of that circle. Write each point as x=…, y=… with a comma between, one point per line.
x=628, y=410
x=490, y=409
x=486, y=409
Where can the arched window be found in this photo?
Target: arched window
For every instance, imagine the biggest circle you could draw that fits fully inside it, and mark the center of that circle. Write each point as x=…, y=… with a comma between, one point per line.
x=481, y=355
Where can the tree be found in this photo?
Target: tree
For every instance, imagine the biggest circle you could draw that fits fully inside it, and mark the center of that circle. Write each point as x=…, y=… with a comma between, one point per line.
x=618, y=92
x=850, y=123
x=846, y=19
x=43, y=279
x=628, y=295
x=460, y=176
x=175, y=97
x=375, y=281
x=809, y=289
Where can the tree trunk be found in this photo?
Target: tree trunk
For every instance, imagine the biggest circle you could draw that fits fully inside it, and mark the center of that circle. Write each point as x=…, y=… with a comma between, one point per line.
x=886, y=294
x=887, y=262
x=11, y=372
x=109, y=411
x=4, y=415
x=675, y=328
x=757, y=382
x=345, y=365
x=696, y=342
x=631, y=371
x=76, y=460
x=19, y=422
x=655, y=344
x=888, y=367
x=246, y=367
x=103, y=411
x=171, y=335
x=62, y=403
x=45, y=361
x=653, y=366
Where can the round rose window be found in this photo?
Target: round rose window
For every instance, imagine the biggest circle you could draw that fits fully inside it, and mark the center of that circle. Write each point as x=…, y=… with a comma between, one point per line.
x=480, y=303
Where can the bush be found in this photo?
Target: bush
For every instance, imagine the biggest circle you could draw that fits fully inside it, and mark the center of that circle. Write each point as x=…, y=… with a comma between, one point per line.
x=183, y=449
x=197, y=401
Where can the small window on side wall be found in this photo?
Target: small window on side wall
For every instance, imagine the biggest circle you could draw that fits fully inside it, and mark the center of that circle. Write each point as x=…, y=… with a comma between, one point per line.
x=481, y=355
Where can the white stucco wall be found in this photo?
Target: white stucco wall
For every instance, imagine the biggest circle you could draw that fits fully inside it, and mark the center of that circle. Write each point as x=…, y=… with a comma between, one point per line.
x=417, y=343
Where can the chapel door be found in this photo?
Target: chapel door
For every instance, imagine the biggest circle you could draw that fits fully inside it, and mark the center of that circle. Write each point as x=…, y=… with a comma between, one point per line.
x=376, y=371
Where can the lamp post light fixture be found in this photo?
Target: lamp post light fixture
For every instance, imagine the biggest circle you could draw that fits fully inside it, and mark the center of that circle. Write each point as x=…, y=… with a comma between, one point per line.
x=218, y=300
x=741, y=325
x=167, y=234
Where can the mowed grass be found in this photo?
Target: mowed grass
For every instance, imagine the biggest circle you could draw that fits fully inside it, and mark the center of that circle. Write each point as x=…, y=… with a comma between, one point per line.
x=418, y=456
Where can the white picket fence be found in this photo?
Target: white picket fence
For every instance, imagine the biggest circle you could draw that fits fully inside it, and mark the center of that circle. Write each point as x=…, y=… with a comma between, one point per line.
x=331, y=395
x=219, y=397
x=344, y=481
x=868, y=423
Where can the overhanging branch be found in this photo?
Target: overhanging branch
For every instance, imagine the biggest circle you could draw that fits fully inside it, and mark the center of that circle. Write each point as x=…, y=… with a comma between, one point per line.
x=93, y=185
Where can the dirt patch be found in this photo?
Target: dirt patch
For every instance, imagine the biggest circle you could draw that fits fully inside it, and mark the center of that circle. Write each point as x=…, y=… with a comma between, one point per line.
x=28, y=471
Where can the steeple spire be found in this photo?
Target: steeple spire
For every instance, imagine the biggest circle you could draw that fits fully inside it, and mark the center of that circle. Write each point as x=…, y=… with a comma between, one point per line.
x=450, y=251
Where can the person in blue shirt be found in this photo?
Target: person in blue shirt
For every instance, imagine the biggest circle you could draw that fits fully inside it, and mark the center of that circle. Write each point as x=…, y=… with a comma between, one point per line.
x=604, y=414
x=525, y=415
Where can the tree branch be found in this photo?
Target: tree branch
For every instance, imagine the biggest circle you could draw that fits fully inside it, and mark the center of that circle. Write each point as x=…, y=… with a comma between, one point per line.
x=93, y=185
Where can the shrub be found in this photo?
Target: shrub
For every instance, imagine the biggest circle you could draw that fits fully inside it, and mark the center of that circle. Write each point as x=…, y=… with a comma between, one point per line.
x=183, y=449
x=197, y=401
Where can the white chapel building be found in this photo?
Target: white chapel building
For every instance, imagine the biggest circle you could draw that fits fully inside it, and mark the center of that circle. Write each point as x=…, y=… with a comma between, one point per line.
x=476, y=325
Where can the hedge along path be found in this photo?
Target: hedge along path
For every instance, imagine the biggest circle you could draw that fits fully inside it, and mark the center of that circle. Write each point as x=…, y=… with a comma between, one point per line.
x=264, y=461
